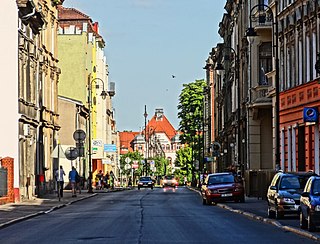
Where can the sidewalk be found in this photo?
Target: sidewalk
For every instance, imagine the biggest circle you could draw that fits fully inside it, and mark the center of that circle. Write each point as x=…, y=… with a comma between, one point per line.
x=15, y=212
x=256, y=209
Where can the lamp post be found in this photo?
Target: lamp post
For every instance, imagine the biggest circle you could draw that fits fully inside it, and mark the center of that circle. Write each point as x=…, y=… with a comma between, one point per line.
x=220, y=67
x=103, y=95
x=145, y=138
x=251, y=34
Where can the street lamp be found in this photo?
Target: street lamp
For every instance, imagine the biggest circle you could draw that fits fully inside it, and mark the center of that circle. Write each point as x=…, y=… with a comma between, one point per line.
x=251, y=34
x=145, y=138
x=103, y=95
x=219, y=68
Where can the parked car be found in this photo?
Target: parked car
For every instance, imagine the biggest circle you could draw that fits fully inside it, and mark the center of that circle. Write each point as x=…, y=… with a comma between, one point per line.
x=284, y=193
x=169, y=180
x=145, y=181
x=222, y=187
x=310, y=204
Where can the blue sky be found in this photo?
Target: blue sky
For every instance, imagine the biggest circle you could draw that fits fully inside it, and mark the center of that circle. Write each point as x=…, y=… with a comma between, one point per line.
x=148, y=41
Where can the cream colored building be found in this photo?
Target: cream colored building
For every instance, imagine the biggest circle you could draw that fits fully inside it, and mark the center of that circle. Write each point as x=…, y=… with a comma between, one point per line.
x=38, y=87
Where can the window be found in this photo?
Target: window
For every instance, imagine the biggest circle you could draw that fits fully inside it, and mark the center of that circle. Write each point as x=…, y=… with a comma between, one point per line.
x=265, y=62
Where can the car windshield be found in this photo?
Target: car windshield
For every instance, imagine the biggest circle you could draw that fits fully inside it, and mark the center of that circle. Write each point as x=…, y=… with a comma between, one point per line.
x=316, y=187
x=168, y=177
x=145, y=179
x=292, y=182
x=220, y=179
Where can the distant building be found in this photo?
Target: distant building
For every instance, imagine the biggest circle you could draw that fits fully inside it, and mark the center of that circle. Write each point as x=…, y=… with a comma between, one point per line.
x=159, y=138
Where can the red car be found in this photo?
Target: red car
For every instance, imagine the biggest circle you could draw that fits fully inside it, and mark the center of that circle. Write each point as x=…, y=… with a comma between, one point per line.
x=222, y=187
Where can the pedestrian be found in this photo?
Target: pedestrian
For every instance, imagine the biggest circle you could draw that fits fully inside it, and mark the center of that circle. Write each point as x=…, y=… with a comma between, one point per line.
x=60, y=181
x=111, y=179
x=73, y=174
x=130, y=182
x=106, y=180
x=99, y=183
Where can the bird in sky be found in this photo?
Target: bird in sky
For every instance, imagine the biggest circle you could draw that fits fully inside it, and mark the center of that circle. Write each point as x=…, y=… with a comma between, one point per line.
x=173, y=76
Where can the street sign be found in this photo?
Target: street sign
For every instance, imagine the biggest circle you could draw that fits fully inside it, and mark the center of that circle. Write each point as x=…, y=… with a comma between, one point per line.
x=71, y=153
x=97, y=143
x=151, y=163
x=127, y=160
x=135, y=166
x=110, y=148
x=79, y=135
x=127, y=166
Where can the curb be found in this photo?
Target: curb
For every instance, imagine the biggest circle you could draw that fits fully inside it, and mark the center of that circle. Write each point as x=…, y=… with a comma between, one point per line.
x=266, y=220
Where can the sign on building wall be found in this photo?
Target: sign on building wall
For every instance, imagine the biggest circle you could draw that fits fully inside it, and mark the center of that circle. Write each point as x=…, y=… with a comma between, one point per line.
x=97, y=148
x=110, y=148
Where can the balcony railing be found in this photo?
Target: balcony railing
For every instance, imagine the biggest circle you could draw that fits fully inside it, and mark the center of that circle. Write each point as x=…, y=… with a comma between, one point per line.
x=260, y=96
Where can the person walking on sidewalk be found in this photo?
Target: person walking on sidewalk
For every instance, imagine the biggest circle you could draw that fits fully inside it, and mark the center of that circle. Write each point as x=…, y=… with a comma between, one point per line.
x=73, y=174
x=60, y=181
x=111, y=180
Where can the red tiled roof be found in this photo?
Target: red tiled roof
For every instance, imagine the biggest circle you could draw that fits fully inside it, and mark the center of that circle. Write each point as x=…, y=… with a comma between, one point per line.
x=126, y=137
x=161, y=126
x=155, y=125
x=72, y=16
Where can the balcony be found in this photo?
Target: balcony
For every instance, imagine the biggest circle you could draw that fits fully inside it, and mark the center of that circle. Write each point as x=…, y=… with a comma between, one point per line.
x=260, y=97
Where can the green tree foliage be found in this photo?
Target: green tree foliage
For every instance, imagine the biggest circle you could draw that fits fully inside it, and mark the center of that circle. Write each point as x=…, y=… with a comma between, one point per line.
x=184, y=159
x=191, y=105
x=161, y=164
x=190, y=109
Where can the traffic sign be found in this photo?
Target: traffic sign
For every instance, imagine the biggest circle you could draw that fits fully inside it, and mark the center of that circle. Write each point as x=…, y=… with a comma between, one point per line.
x=127, y=160
x=71, y=153
x=79, y=135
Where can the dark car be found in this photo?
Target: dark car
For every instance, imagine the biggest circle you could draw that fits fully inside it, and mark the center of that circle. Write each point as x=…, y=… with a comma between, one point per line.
x=169, y=180
x=310, y=204
x=284, y=193
x=145, y=181
x=222, y=187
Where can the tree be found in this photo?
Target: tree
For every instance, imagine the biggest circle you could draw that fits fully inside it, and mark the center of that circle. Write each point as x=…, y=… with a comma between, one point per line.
x=191, y=116
x=184, y=160
x=191, y=110
x=161, y=164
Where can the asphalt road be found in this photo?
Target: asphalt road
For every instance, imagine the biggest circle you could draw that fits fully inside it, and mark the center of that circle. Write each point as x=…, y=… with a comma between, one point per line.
x=145, y=216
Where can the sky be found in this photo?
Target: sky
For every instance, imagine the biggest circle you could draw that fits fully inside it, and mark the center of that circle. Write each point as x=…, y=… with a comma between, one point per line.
x=148, y=41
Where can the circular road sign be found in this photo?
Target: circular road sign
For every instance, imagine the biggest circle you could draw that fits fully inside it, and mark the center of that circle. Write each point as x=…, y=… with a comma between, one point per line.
x=71, y=153
x=79, y=135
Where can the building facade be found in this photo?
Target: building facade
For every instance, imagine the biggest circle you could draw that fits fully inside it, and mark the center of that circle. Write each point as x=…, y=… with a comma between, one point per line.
x=9, y=129
x=256, y=106
x=85, y=77
x=38, y=76
x=159, y=138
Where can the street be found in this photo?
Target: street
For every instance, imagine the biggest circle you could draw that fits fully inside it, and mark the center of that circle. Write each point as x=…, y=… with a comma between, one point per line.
x=145, y=216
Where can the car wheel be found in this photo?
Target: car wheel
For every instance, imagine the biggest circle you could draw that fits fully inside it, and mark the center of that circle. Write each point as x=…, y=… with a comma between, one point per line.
x=138, y=188
x=151, y=187
x=242, y=199
x=311, y=226
x=204, y=201
x=271, y=214
x=303, y=221
x=208, y=202
x=278, y=214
